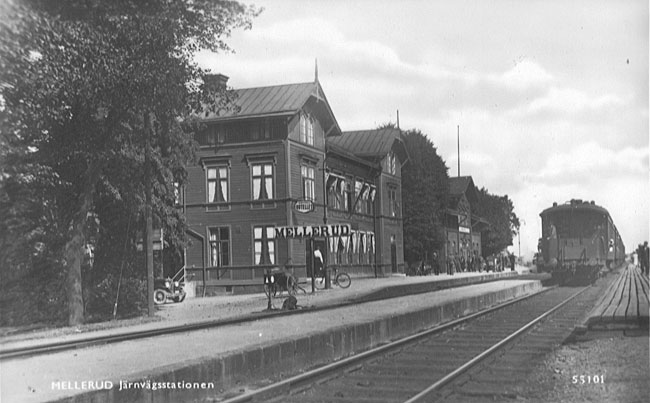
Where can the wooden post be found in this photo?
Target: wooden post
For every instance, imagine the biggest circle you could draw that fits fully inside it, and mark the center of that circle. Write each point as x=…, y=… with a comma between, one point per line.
x=148, y=239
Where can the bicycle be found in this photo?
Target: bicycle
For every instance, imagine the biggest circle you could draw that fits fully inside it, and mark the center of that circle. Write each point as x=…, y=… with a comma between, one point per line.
x=341, y=279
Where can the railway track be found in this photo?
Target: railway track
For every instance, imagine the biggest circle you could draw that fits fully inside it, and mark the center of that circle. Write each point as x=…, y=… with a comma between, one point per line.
x=426, y=367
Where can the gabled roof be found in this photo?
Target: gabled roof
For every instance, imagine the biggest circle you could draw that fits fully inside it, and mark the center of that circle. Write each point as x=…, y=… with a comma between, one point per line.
x=462, y=185
x=371, y=143
x=279, y=100
x=458, y=184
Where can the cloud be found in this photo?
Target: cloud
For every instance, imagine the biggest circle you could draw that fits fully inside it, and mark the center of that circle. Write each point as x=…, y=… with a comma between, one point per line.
x=592, y=163
x=568, y=101
x=525, y=74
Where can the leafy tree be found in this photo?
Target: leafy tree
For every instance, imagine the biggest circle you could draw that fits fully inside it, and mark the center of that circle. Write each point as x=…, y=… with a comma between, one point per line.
x=86, y=89
x=504, y=223
x=425, y=189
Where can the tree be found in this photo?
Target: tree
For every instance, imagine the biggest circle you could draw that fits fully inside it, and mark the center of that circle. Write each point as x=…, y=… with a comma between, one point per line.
x=504, y=223
x=425, y=189
x=87, y=89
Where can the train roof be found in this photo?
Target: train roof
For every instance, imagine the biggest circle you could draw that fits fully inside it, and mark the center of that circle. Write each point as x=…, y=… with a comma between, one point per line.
x=575, y=204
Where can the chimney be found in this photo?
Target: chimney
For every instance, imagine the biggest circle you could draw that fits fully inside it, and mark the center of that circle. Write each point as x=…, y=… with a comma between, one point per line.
x=215, y=82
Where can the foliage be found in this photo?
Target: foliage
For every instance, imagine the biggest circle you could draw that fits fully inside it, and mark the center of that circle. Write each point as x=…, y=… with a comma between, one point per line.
x=425, y=188
x=504, y=223
x=82, y=85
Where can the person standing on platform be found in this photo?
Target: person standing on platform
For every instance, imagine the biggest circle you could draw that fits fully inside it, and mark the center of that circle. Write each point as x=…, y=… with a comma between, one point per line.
x=512, y=262
x=436, y=267
x=318, y=263
x=646, y=258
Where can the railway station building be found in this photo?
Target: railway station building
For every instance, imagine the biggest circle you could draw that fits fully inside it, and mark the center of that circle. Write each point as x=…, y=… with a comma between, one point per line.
x=462, y=226
x=277, y=178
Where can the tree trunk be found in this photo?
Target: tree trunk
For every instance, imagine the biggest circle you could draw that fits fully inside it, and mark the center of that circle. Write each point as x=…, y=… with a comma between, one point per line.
x=74, y=254
x=73, y=257
x=75, y=248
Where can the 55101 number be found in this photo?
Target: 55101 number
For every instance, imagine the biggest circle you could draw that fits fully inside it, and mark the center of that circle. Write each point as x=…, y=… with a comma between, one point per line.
x=587, y=379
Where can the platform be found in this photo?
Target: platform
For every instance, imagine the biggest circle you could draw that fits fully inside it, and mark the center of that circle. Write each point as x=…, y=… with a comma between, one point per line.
x=232, y=355
x=624, y=305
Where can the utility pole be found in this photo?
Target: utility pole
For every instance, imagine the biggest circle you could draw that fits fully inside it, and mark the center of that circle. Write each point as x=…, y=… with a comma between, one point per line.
x=148, y=238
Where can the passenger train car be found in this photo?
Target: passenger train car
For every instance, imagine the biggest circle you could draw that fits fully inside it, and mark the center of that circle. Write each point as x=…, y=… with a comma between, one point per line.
x=579, y=238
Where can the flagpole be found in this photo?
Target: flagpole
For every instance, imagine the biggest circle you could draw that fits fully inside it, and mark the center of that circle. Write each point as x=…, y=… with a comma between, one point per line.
x=458, y=143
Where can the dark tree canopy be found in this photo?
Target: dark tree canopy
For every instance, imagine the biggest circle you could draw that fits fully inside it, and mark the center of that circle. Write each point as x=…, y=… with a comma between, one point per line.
x=425, y=188
x=83, y=84
x=504, y=223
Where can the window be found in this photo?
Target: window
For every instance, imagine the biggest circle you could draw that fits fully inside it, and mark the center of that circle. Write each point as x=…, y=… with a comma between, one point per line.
x=335, y=188
x=219, y=247
x=308, y=191
x=360, y=204
x=306, y=129
x=218, y=185
x=310, y=131
x=347, y=196
x=334, y=198
x=220, y=134
x=264, y=245
x=263, y=181
x=392, y=164
x=261, y=130
x=393, y=206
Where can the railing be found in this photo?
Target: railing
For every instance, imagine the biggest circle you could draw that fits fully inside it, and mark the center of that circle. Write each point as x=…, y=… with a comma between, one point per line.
x=180, y=275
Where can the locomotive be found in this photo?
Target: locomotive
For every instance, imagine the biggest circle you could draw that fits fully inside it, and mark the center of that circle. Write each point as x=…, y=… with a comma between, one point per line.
x=578, y=239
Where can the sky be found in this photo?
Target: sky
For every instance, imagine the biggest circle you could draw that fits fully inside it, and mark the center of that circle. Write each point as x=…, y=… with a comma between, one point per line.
x=550, y=97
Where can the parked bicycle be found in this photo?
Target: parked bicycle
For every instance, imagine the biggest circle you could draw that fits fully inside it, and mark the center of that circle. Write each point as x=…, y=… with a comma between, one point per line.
x=341, y=279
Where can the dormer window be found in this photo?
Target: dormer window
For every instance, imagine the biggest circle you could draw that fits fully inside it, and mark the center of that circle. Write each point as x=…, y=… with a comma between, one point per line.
x=392, y=164
x=306, y=129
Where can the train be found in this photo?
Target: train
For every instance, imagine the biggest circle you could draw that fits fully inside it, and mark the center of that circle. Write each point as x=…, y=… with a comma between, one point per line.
x=578, y=240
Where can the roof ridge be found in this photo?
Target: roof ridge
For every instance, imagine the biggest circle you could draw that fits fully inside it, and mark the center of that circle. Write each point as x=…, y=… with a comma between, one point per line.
x=272, y=86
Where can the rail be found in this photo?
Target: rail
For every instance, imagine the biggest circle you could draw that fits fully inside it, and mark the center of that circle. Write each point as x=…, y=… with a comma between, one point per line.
x=318, y=377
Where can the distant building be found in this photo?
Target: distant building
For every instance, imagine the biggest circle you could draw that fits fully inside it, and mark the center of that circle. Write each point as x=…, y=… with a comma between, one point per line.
x=280, y=160
x=463, y=227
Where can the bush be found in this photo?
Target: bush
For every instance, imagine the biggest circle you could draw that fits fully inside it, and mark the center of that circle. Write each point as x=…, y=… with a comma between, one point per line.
x=131, y=302
x=36, y=298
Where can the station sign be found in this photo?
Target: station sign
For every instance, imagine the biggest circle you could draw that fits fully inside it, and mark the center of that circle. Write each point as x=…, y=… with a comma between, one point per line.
x=464, y=230
x=304, y=206
x=309, y=231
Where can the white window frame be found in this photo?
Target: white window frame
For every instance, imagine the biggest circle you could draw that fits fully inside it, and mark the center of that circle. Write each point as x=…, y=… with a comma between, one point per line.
x=392, y=164
x=264, y=245
x=306, y=129
x=265, y=178
x=392, y=202
x=215, y=241
x=219, y=182
x=308, y=183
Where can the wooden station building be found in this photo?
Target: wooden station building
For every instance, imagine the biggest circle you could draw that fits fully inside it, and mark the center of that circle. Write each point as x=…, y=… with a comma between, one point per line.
x=280, y=160
x=463, y=227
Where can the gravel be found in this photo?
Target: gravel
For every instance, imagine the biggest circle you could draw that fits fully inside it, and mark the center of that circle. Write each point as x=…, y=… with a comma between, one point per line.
x=615, y=366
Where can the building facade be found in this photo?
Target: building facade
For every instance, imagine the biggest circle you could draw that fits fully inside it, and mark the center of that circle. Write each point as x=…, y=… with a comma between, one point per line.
x=463, y=228
x=271, y=163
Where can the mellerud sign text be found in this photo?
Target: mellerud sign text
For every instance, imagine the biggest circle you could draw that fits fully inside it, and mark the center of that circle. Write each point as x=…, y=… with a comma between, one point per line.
x=312, y=231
